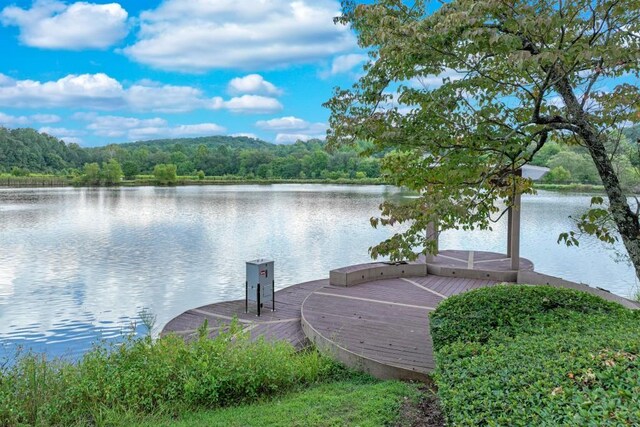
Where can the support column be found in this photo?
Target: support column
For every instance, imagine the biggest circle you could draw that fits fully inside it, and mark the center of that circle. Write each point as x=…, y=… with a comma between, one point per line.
x=432, y=234
x=509, y=219
x=514, y=232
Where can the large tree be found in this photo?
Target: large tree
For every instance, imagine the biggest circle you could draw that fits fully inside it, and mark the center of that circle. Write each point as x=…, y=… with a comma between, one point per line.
x=466, y=92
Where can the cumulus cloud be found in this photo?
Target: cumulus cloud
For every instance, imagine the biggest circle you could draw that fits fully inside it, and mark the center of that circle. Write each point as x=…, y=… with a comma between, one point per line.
x=67, y=135
x=290, y=123
x=101, y=92
x=252, y=84
x=117, y=126
x=45, y=118
x=291, y=138
x=9, y=120
x=292, y=129
x=51, y=24
x=200, y=35
x=138, y=129
x=199, y=129
x=164, y=98
x=247, y=104
x=88, y=90
x=344, y=64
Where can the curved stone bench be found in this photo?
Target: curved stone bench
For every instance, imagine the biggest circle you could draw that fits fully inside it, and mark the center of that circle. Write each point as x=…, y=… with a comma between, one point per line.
x=362, y=273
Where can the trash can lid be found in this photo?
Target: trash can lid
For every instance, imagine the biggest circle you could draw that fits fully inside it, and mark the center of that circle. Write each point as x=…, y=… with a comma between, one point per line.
x=260, y=261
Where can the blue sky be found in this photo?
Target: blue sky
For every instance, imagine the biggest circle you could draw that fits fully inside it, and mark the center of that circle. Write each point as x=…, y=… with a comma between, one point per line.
x=99, y=73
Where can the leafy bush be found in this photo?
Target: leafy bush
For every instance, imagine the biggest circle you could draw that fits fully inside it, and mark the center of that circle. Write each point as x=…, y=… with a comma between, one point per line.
x=507, y=309
x=537, y=356
x=143, y=377
x=165, y=174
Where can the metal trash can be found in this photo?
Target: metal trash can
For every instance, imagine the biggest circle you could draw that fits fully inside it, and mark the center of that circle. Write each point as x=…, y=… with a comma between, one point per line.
x=259, y=285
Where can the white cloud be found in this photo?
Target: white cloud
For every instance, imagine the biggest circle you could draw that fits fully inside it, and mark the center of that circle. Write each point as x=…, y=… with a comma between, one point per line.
x=137, y=129
x=67, y=135
x=9, y=120
x=346, y=63
x=5, y=80
x=53, y=24
x=45, y=118
x=101, y=92
x=116, y=126
x=164, y=98
x=200, y=35
x=291, y=138
x=248, y=104
x=292, y=129
x=200, y=129
x=88, y=90
x=283, y=123
x=253, y=84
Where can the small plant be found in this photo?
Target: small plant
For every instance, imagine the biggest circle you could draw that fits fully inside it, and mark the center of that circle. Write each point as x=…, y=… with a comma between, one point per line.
x=148, y=320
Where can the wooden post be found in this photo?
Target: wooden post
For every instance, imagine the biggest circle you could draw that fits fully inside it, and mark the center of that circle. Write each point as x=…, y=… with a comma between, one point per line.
x=514, y=232
x=432, y=233
x=509, y=219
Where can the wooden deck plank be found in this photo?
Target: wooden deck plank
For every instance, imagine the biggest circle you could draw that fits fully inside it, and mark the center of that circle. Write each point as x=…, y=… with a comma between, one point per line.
x=379, y=334
x=281, y=324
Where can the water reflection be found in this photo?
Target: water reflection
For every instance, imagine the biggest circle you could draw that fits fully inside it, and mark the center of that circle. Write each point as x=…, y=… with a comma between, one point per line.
x=78, y=265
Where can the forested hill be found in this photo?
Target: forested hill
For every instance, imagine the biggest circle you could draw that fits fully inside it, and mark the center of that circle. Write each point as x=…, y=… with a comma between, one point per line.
x=32, y=151
x=24, y=151
x=208, y=141
x=36, y=152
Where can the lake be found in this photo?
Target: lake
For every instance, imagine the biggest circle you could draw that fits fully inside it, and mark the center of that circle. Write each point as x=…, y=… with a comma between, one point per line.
x=79, y=265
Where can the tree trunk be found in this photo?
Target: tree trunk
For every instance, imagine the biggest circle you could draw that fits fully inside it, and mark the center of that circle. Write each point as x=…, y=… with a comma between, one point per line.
x=625, y=219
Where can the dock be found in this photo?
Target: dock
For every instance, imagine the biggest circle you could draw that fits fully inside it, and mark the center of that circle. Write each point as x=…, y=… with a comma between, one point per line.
x=374, y=317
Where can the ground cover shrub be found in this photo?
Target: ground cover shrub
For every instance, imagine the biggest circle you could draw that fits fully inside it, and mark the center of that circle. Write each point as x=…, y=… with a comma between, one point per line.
x=525, y=355
x=508, y=309
x=144, y=377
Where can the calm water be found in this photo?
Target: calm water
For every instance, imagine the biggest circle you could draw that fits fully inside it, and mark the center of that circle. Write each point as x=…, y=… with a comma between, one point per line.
x=78, y=265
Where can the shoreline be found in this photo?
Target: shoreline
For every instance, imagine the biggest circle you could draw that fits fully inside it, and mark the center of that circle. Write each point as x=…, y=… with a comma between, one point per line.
x=57, y=181
x=37, y=182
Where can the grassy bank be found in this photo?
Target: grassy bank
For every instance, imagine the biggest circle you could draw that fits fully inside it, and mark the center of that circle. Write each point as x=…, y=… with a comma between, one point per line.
x=187, y=180
x=523, y=356
x=143, y=180
x=166, y=377
x=357, y=401
x=573, y=188
x=226, y=381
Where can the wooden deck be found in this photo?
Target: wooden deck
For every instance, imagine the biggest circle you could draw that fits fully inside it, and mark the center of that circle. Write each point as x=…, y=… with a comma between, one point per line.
x=375, y=317
x=381, y=327
x=477, y=260
x=282, y=324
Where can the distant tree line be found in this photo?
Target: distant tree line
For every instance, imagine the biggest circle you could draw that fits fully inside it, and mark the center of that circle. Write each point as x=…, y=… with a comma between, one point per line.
x=571, y=163
x=25, y=151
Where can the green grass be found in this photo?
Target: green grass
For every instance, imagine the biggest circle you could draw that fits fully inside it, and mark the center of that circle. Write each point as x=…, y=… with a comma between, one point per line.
x=576, y=187
x=357, y=402
x=522, y=355
x=164, y=377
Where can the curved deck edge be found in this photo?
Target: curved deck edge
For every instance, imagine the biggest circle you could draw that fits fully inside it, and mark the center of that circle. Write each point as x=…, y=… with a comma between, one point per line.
x=355, y=361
